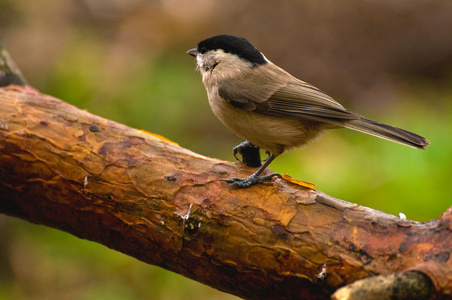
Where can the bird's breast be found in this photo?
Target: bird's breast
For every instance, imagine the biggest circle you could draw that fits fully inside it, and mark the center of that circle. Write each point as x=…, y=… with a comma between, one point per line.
x=271, y=133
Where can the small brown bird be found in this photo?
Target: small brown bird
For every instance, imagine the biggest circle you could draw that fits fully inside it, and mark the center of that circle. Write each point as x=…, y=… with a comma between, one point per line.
x=270, y=108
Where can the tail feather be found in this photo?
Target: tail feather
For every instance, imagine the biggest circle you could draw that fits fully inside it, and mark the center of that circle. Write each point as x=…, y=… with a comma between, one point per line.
x=388, y=132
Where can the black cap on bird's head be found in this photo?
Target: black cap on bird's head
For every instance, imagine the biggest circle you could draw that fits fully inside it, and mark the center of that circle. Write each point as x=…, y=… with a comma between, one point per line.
x=234, y=45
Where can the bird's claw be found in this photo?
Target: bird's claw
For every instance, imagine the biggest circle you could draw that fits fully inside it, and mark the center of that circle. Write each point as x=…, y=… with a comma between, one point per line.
x=240, y=183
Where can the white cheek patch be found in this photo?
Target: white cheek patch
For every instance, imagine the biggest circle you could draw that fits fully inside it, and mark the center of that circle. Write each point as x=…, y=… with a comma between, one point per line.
x=199, y=62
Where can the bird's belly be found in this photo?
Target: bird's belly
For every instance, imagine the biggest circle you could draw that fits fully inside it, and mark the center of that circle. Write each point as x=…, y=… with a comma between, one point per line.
x=272, y=133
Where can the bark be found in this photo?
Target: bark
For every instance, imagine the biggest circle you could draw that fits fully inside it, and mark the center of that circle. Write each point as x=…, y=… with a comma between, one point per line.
x=149, y=198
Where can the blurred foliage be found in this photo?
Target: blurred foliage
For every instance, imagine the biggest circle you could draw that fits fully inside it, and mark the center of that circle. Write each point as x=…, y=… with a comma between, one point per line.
x=126, y=61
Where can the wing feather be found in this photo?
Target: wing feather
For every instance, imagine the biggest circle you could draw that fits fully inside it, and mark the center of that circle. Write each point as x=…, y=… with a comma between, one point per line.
x=286, y=96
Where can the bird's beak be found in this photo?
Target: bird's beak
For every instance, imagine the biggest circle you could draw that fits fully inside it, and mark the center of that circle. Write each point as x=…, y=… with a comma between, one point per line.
x=192, y=52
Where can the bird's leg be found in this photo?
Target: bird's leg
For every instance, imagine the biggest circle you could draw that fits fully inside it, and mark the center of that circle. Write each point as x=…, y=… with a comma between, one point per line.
x=254, y=178
x=250, y=153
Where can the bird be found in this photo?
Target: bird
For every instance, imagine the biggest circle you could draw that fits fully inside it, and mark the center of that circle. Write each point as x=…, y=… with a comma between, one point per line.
x=271, y=109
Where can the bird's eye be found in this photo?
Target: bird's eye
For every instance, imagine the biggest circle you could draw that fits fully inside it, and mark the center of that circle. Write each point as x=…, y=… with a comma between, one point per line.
x=210, y=67
x=202, y=50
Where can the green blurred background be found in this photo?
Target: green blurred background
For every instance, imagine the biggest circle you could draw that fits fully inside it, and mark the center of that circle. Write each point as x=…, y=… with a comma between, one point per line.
x=125, y=60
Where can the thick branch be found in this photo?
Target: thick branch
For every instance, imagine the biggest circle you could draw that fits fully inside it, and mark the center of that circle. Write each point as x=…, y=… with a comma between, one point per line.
x=151, y=199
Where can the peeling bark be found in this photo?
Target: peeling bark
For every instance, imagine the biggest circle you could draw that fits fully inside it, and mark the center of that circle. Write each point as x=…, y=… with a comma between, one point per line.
x=151, y=199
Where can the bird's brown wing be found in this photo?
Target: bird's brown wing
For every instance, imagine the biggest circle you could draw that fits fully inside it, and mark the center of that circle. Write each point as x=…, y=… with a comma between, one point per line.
x=302, y=100
x=287, y=97
x=246, y=92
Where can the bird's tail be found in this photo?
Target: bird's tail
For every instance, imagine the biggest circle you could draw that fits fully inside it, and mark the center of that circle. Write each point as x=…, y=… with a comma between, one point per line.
x=388, y=132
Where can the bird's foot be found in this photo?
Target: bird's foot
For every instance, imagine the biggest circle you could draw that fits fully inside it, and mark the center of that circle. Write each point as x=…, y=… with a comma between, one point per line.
x=241, y=183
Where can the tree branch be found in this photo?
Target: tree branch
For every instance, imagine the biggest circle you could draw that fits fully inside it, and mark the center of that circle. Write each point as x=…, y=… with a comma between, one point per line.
x=151, y=199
